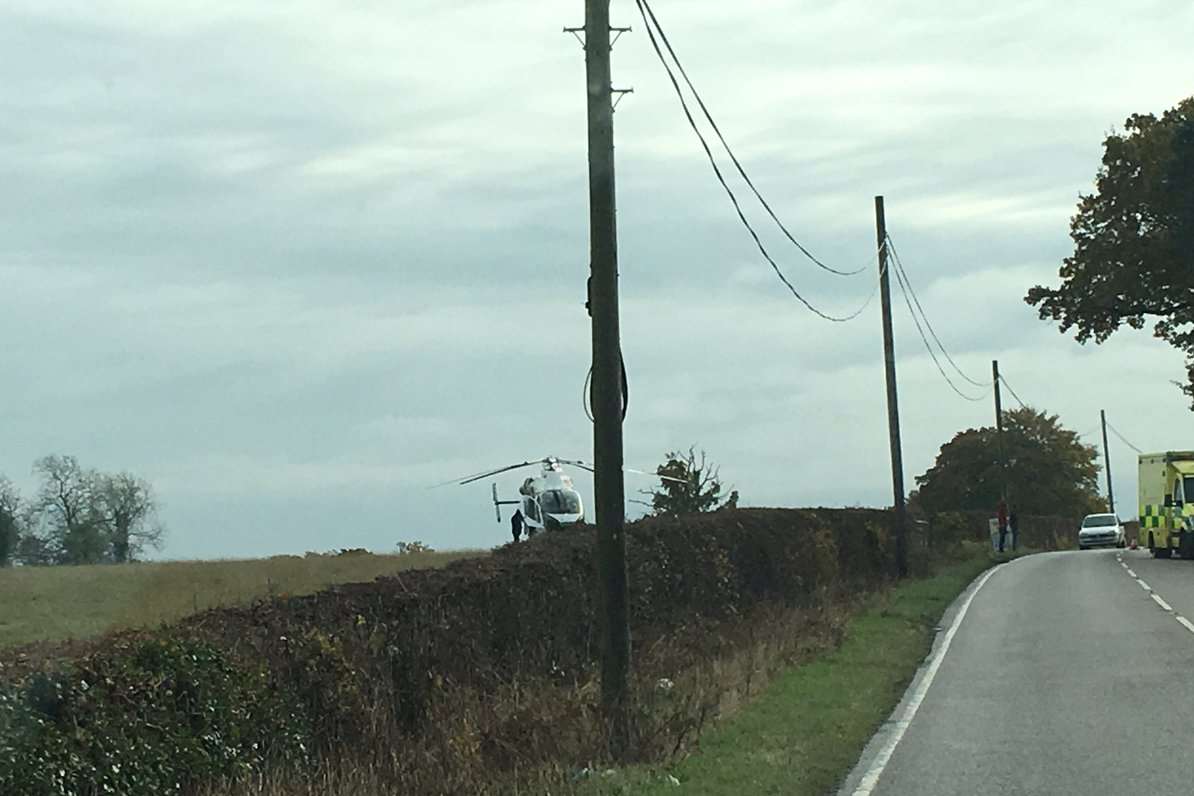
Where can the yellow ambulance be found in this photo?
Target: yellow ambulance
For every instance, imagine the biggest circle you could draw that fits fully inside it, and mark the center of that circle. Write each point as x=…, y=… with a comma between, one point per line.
x=1167, y=503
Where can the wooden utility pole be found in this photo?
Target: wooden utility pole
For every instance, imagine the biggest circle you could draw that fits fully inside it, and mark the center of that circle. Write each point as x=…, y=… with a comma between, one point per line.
x=609, y=490
x=1107, y=461
x=999, y=430
x=893, y=409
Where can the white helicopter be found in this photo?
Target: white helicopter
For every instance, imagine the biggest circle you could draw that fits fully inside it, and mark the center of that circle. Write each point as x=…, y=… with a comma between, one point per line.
x=549, y=501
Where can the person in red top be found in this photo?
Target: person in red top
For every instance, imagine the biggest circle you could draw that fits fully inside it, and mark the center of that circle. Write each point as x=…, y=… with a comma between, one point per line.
x=1001, y=516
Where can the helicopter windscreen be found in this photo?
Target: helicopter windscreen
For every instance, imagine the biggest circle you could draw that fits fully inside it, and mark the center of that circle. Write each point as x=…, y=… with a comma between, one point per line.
x=560, y=501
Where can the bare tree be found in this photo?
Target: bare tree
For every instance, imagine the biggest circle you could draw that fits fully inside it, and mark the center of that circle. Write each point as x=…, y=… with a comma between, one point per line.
x=10, y=521
x=66, y=508
x=692, y=484
x=128, y=511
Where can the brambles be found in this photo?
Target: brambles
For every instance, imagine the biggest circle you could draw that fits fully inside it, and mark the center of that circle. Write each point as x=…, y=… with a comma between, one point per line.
x=146, y=716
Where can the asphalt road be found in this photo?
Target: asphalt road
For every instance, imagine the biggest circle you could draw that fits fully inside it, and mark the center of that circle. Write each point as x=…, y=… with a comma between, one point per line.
x=1064, y=676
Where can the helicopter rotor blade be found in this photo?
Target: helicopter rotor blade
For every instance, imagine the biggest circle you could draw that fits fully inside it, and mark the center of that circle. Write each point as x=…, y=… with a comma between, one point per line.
x=470, y=479
x=655, y=475
x=578, y=463
x=453, y=482
x=592, y=469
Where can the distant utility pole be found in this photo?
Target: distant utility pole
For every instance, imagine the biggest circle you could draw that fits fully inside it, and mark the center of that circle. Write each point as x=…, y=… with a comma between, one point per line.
x=609, y=490
x=893, y=409
x=1107, y=460
x=999, y=429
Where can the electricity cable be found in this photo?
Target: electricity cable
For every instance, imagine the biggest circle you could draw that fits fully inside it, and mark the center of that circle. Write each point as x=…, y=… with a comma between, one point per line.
x=730, y=193
x=900, y=266
x=1123, y=439
x=928, y=346
x=645, y=10
x=586, y=394
x=1003, y=379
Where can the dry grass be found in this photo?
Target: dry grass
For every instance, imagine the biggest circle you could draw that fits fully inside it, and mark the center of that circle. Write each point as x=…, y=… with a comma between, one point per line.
x=686, y=681
x=58, y=603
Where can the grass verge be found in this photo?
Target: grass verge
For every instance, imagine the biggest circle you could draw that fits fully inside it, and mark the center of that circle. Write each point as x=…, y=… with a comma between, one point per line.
x=808, y=727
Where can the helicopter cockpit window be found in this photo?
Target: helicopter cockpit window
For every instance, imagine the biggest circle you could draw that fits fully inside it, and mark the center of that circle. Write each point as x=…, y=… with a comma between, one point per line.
x=531, y=509
x=560, y=501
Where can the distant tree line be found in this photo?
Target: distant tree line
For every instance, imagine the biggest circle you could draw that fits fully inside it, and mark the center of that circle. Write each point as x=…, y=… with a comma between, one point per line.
x=77, y=516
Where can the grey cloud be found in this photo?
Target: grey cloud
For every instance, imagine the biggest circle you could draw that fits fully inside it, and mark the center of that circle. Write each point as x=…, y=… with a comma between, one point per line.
x=295, y=264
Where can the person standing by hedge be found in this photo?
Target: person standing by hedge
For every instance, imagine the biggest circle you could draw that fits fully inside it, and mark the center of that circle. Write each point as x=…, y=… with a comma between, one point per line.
x=1013, y=525
x=516, y=525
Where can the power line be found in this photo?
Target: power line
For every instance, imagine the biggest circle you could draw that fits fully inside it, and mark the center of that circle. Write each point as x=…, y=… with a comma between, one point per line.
x=645, y=9
x=1122, y=439
x=928, y=347
x=721, y=179
x=900, y=266
x=730, y=193
x=1003, y=379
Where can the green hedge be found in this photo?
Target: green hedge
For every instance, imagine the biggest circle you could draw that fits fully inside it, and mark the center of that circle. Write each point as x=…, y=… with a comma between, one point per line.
x=151, y=716
x=288, y=682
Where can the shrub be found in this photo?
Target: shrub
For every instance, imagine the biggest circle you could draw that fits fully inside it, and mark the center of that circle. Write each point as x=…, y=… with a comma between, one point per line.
x=152, y=716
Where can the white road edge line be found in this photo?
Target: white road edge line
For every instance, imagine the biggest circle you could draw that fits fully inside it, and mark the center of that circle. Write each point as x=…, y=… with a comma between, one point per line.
x=1130, y=572
x=1186, y=623
x=1161, y=602
x=1144, y=585
x=871, y=778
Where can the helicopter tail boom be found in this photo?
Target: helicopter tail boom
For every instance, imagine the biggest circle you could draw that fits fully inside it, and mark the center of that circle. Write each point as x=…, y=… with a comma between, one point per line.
x=497, y=504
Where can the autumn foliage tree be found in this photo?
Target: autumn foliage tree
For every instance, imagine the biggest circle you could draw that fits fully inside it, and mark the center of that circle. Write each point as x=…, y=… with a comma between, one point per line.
x=1049, y=470
x=1134, y=239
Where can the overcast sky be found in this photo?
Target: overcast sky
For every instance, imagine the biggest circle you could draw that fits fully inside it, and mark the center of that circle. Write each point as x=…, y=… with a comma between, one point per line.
x=295, y=261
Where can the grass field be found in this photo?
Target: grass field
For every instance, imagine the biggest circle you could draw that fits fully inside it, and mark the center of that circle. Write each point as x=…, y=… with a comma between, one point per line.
x=56, y=603
x=802, y=734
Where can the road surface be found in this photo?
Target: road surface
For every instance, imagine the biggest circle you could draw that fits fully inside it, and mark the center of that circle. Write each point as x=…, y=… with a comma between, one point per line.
x=1065, y=673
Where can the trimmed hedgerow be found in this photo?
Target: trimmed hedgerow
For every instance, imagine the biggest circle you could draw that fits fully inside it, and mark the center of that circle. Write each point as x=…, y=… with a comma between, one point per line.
x=370, y=668
x=148, y=717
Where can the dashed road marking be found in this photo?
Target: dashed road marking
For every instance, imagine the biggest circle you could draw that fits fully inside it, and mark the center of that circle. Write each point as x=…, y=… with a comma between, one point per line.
x=1161, y=602
x=1186, y=623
